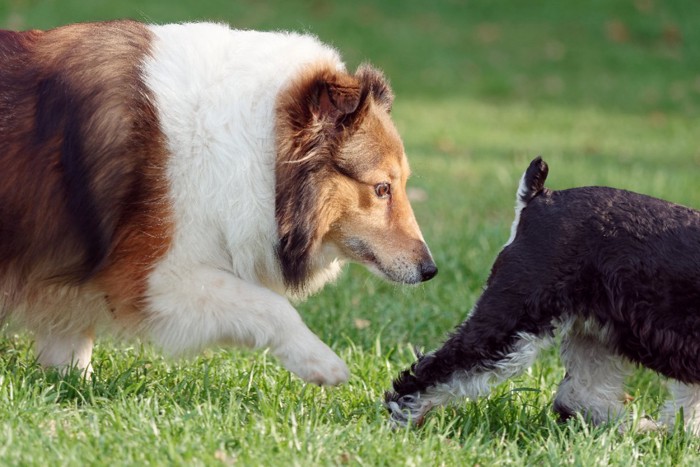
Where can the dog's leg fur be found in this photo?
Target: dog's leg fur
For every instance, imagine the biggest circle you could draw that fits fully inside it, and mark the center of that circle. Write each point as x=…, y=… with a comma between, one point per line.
x=687, y=398
x=593, y=385
x=499, y=340
x=65, y=351
x=479, y=354
x=210, y=305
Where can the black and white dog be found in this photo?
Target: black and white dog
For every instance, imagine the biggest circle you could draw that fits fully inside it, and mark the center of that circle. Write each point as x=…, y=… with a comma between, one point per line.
x=616, y=273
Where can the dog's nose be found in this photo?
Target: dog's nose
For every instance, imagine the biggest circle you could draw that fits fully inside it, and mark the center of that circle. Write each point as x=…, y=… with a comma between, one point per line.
x=427, y=270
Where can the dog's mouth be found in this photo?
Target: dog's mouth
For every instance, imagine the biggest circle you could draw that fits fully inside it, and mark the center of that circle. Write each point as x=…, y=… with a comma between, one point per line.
x=402, y=270
x=362, y=252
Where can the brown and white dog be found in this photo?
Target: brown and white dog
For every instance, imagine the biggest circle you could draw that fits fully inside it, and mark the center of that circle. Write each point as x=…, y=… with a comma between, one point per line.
x=183, y=182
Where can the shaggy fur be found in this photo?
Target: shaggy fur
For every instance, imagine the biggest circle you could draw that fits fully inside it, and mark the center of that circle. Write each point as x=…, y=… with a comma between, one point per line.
x=184, y=182
x=615, y=273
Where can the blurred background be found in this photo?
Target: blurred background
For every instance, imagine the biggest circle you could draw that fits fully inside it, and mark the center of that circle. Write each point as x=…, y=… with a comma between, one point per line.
x=621, y=55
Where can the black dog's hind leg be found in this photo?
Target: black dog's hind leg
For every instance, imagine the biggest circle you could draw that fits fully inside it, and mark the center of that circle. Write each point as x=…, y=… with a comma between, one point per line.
x=685, y=397
x=595, y=374
x=494, y=344
x=594, y=381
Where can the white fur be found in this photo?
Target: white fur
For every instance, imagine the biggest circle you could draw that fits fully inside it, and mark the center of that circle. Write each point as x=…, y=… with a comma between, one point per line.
x=519, y=205
x=66, y=351
x=216, y=106
x=470, y=384
x=595, y=374
x=220, y=281
x=595, y=383
x=64, y=320
x=685, y=397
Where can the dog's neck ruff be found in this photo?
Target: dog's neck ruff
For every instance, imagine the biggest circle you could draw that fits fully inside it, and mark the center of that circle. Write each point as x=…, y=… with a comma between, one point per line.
x=218, y=120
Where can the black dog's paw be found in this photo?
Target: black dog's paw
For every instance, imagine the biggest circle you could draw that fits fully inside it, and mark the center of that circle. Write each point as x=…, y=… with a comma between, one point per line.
x=404, y=403
x=406, y=410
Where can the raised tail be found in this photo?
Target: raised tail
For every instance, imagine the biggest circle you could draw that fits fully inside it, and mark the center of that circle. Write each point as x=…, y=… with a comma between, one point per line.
x=533, y=180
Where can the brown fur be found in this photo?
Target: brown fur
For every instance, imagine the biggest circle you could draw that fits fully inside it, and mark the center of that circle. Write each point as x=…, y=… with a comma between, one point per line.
x=335, y=142
x=82, y=190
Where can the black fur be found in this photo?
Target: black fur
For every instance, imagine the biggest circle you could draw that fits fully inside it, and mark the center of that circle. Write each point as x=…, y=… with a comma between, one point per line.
x=534, y=179
x=629, y=262
x=60, y=117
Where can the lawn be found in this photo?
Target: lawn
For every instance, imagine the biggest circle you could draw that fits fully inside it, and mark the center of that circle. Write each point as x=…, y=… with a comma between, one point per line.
x=608, y=92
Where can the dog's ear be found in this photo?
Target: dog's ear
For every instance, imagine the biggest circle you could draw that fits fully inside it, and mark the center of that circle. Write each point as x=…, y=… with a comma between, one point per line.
x=376, y=85
x=312, y=117
x=333, y=96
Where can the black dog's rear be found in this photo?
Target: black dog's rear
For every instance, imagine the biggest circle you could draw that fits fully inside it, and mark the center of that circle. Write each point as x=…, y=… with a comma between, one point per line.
x=616, y=273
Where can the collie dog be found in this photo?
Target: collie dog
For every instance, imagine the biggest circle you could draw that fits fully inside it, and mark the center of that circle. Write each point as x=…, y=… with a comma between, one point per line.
x=616, y=274
x=184, y=182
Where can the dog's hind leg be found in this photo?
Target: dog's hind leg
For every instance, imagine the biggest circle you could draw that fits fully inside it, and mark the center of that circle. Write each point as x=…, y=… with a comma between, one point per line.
x=685, y=397
x=65, y=351
x=593, y=385
x=510, y=323
x=63, y=322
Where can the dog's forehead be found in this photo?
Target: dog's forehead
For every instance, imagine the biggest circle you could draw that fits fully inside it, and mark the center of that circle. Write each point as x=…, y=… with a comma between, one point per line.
x=375, y=152
x=392, y=148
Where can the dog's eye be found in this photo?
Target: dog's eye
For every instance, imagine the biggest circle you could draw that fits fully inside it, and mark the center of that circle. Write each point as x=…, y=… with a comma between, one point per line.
x=382, y=190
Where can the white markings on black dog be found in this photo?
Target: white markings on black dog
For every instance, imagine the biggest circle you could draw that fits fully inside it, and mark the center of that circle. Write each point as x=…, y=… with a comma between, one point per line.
x=614, y=272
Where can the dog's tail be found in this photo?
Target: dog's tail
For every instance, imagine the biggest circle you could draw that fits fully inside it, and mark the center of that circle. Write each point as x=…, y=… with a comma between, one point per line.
x=533, y=179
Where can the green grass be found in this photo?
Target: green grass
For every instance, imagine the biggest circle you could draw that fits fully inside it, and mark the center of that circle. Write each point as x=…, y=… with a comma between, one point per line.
x=607, y=91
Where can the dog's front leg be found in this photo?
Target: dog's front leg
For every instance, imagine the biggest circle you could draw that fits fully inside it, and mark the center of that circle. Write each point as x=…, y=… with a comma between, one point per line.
x=492, y=345
x=208, y=305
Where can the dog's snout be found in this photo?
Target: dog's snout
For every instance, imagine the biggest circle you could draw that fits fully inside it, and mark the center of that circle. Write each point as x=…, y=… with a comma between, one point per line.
x=426, y=265
x=428, y=269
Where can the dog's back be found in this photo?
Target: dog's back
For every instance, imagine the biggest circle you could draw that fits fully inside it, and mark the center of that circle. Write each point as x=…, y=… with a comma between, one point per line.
x=80, y=151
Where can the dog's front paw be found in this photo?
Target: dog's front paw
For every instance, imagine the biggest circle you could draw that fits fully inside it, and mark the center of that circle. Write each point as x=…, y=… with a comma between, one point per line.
x=406, y=410
x=327, y=371
x=316, y=364
x=649, y=425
